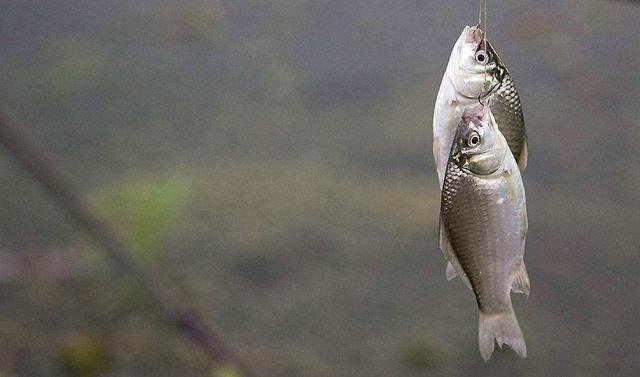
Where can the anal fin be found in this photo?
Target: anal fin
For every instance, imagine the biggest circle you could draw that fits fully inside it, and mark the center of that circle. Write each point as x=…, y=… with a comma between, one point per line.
x=520, y=282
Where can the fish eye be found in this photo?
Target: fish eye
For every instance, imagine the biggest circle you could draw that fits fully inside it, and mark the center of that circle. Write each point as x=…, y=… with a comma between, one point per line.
x=482, y=57
x=473, y=140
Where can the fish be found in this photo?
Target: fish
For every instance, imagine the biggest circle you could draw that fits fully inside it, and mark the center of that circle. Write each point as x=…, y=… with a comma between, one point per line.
x=483, y=226
x=476, y=74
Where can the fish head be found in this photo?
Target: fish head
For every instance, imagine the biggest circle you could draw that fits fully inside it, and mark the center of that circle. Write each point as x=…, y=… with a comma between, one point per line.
x=481, y=146
x=474, y=68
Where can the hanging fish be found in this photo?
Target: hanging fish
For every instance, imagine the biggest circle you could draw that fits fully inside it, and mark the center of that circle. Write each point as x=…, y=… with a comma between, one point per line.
x=475, y=73
x=483, y=226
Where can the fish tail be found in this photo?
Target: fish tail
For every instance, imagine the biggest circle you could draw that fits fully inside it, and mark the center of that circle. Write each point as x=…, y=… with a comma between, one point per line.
x=504, y=328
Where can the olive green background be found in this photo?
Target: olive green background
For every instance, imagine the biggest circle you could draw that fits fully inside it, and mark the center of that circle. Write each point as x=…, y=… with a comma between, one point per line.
x=274, y=157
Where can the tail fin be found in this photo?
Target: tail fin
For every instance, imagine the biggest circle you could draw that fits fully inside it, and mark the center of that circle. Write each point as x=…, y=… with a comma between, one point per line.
x=504, y=328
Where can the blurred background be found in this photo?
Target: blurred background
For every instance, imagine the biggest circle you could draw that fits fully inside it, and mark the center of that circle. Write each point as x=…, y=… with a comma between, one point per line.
x=274, y=159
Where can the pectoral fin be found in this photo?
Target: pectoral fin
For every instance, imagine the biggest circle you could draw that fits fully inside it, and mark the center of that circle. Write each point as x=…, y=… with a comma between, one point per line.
x=523, y=158
x=453, y=267
x=451, y=272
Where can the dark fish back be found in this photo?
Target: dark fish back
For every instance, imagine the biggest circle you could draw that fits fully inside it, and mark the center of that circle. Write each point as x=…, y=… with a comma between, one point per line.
x=506, y=108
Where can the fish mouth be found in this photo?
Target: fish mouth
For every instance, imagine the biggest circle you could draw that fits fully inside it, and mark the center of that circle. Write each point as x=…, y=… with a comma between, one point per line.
x=473, y=34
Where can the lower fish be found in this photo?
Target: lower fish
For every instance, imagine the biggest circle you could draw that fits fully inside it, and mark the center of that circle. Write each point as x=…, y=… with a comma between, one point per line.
x=483, y=226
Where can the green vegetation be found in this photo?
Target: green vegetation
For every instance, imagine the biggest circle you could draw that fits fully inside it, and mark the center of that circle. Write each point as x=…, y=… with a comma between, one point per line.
x=274, y=159
x=143, y=210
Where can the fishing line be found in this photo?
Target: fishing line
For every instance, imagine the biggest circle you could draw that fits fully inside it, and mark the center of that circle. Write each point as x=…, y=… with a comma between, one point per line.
x=482, y=20
x=484, y=40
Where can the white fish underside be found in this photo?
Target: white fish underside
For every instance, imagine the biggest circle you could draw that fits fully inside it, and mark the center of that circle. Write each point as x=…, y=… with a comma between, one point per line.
x=446, y=117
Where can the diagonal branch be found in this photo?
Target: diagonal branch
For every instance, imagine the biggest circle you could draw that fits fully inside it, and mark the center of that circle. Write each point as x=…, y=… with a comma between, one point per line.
x=41, y=165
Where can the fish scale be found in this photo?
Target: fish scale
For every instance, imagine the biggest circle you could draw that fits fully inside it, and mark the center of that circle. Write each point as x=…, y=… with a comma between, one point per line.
x=474, y=224
x=506, y=108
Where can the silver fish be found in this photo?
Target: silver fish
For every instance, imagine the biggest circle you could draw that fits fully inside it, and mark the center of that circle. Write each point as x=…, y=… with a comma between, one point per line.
x=483, y=226
x=476, y=73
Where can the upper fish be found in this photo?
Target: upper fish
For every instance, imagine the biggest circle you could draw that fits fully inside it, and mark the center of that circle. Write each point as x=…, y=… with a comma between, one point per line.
x=476, y=74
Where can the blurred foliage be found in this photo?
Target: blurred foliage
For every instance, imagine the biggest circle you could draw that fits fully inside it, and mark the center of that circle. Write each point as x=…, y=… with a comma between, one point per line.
x=225, y=371
x=274, y=158
x=75, y=67
x=143, y=209
x=27, y=211
x=421, y=354
x=85, y=355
